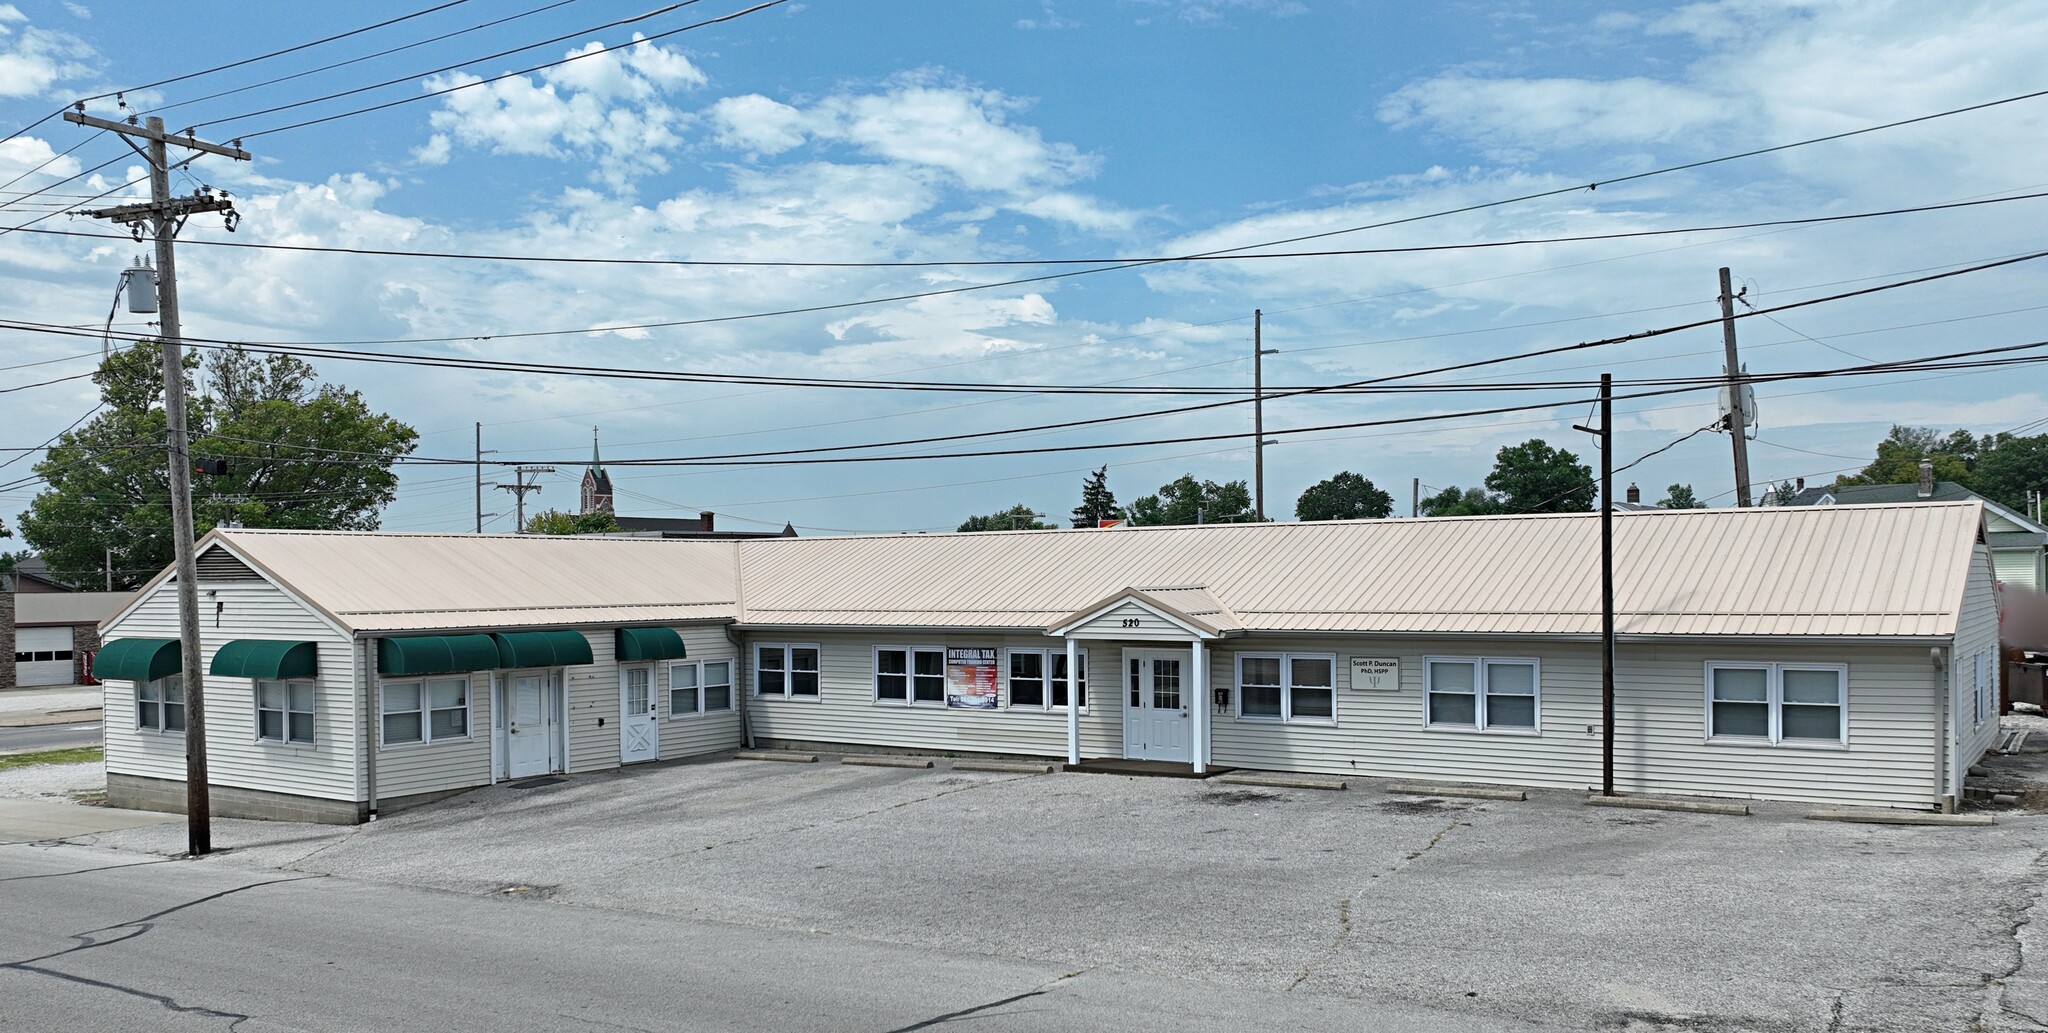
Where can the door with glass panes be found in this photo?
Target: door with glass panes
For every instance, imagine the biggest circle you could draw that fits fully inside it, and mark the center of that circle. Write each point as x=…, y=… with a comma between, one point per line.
x=1157, y=695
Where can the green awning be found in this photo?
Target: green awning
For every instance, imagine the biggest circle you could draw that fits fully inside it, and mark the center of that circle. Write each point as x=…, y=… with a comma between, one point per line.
x=436, y=654
x=649, y=644
x=138, y=659
x=553, y=648
x=271, y=661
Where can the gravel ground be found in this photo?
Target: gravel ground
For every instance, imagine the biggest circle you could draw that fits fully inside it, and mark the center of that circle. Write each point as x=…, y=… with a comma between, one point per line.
x=40, y=780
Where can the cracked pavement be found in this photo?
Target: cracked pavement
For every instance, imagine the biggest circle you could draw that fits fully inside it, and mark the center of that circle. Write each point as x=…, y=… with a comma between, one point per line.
x=1503, y=915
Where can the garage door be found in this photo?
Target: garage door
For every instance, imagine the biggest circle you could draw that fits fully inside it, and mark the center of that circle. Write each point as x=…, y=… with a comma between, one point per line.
x=42, y=656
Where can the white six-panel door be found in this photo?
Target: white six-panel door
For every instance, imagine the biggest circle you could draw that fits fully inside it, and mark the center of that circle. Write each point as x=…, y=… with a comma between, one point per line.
x=1157, y=696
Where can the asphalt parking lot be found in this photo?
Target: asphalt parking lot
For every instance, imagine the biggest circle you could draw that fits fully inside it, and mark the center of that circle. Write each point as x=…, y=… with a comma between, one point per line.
x=1543, y=910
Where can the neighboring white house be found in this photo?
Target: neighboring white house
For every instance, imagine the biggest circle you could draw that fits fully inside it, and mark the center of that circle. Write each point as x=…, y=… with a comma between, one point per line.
x=1834, y=654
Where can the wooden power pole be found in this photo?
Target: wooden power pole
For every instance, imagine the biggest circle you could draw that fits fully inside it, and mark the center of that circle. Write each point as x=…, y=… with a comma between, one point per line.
x=164, y=215
x=1738, y=418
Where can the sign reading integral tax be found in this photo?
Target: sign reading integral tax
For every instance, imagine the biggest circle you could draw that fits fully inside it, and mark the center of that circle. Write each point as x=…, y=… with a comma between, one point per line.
x=1375, y=674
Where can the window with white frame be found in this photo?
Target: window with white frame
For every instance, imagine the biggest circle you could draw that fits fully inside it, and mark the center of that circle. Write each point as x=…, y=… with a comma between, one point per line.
x=1986, y=692
x=425, y=710
x=910, y=674
x=1037, y=679
x=284, y=711
x=1287, y=687
x=1777, y=703
x=1483, y=693
x=699, y=687
x=160, y=704
x=786, y=671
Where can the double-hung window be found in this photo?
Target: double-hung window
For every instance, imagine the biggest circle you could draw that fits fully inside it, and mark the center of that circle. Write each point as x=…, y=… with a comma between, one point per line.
x=910, y=674
x=160, y=705
x=284, y=711
x=1037, y=679
x=425, y=710
x=1778, y=703
x=1483, y=693
x=785, y=671
x=1287, y=687
x=699, y=687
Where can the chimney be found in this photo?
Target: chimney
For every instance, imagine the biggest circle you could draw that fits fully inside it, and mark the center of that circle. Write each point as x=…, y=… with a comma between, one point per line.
x=705, y=520
x=1926, y=478
x=1635, y=494
x=1801, y=484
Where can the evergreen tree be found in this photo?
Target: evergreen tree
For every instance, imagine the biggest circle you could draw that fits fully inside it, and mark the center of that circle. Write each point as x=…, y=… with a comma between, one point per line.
x=1098, y=503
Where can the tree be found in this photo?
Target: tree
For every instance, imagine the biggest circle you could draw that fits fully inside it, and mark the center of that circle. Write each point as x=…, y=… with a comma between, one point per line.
x=1781, y=495
x=1346, y=496
x=2009, y=467
x=1679, y=496
x=1532, y=477
x=299, y=456
x=554, y=521
x=1019, y=517
x=1098, y=503
x=1455, y=501
x=1899, y=455
x=1188, y=501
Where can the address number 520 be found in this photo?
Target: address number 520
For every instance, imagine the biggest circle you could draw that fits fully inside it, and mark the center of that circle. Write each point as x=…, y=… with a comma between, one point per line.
x=1131, y=622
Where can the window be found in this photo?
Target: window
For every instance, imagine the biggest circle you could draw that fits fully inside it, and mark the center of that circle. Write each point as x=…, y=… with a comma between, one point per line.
x=787, y=671
x=699, y=687
x=1483, y=693
x=424, y=711
x=1984, y=691
x=160, y=705
x=1777, y=703
x=1286, y=687
x=284, y=711
x=1038, y=679
x=910, y=674
x=42, y=656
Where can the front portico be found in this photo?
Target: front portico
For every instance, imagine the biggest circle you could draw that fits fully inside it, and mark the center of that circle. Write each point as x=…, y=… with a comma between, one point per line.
x=1163, y=670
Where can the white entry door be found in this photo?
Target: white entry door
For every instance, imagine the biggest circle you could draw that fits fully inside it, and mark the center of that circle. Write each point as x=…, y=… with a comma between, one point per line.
x=639, y=721
x=1157, y=721
x=530, y=726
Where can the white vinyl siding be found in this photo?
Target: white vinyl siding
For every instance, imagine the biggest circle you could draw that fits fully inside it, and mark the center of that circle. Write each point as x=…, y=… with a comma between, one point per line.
x=714, y=728
x=329, y=767
x=1976, y=632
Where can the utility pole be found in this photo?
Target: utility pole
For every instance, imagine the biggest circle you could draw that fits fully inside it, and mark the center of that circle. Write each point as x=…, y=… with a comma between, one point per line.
x=1259, y=353
x=1738, y=419
x=1605, y=432
x=165, y=214
x=1415, y=497
x=519, y=488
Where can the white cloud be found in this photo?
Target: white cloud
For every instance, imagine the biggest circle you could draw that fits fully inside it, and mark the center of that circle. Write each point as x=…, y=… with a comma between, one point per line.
x=1553, y=112
x=1215, y=11
x=79, y=11
x=757, y=124
x=32, y=60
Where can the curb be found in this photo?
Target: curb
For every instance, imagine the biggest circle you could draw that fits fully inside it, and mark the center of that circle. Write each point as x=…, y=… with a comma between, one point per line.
x=1463, y=792
x=1007, y=767
x=883, y=760
x=1904, y=818
x=1254, y=778
x=51, y=717
x=790, y=758
x=1740, y=810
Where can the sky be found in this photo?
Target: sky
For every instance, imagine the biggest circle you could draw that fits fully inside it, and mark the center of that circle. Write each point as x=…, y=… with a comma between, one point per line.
x=1038, y=132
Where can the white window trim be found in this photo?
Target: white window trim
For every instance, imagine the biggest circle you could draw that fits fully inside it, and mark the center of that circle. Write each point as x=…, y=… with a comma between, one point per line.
x=1049, y=654
x=257, y=708
x=909, y=676
x=1774, y=690
x=731, y=694
x=1286, y=715
x=788, y=655
x=1482, y=726
x=426, y=712
x=158, y=728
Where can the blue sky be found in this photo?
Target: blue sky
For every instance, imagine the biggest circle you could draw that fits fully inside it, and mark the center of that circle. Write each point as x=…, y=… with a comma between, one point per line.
x=898, y=131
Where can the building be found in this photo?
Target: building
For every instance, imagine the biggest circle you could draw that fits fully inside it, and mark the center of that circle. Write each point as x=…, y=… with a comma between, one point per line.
x=47, y=631
x=1830, y=654
x=2019, y=543
x=704, y=525
x=596, y=495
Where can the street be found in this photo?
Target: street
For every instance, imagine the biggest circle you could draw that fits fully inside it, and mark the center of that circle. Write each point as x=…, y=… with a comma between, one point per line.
x=96, y=941
x=49, y=737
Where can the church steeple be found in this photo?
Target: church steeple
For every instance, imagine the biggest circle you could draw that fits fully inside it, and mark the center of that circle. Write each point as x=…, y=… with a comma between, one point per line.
x=597, y=484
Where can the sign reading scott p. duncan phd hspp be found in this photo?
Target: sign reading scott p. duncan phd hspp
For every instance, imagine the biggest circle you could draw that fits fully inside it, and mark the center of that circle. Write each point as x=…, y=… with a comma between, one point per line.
x=1375, y=674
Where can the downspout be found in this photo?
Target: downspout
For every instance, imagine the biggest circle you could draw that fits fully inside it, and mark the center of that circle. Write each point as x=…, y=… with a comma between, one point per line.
x=365, y=662
x=1947, y=778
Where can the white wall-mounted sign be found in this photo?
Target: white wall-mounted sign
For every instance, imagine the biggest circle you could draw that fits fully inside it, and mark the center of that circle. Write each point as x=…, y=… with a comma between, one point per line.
x=1375, y=674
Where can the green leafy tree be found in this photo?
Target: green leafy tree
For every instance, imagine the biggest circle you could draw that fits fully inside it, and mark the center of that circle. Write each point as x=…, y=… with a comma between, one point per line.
x=1019, y=517
x=2009, y=467
x=1899, y=455
x=1533, y=477
x=1098, y=503
x=1781, y=494
x=1189, y=501
x=1346, y=496
x=1455, y=501
x=299, y=454
x=1680, y=496
x=554, y=521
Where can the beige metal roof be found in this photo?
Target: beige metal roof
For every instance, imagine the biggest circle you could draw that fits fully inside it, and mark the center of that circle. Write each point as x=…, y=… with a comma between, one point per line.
x=68, y=607
x=1832, y=571
x=373, y=581
x=1882, y=570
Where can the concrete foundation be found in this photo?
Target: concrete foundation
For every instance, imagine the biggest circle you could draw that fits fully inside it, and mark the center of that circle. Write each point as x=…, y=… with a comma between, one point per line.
x=136, y=792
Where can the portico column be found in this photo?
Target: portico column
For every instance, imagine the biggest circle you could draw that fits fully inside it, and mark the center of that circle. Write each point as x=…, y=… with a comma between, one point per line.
x=1201, y=707
x=1074, y=681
